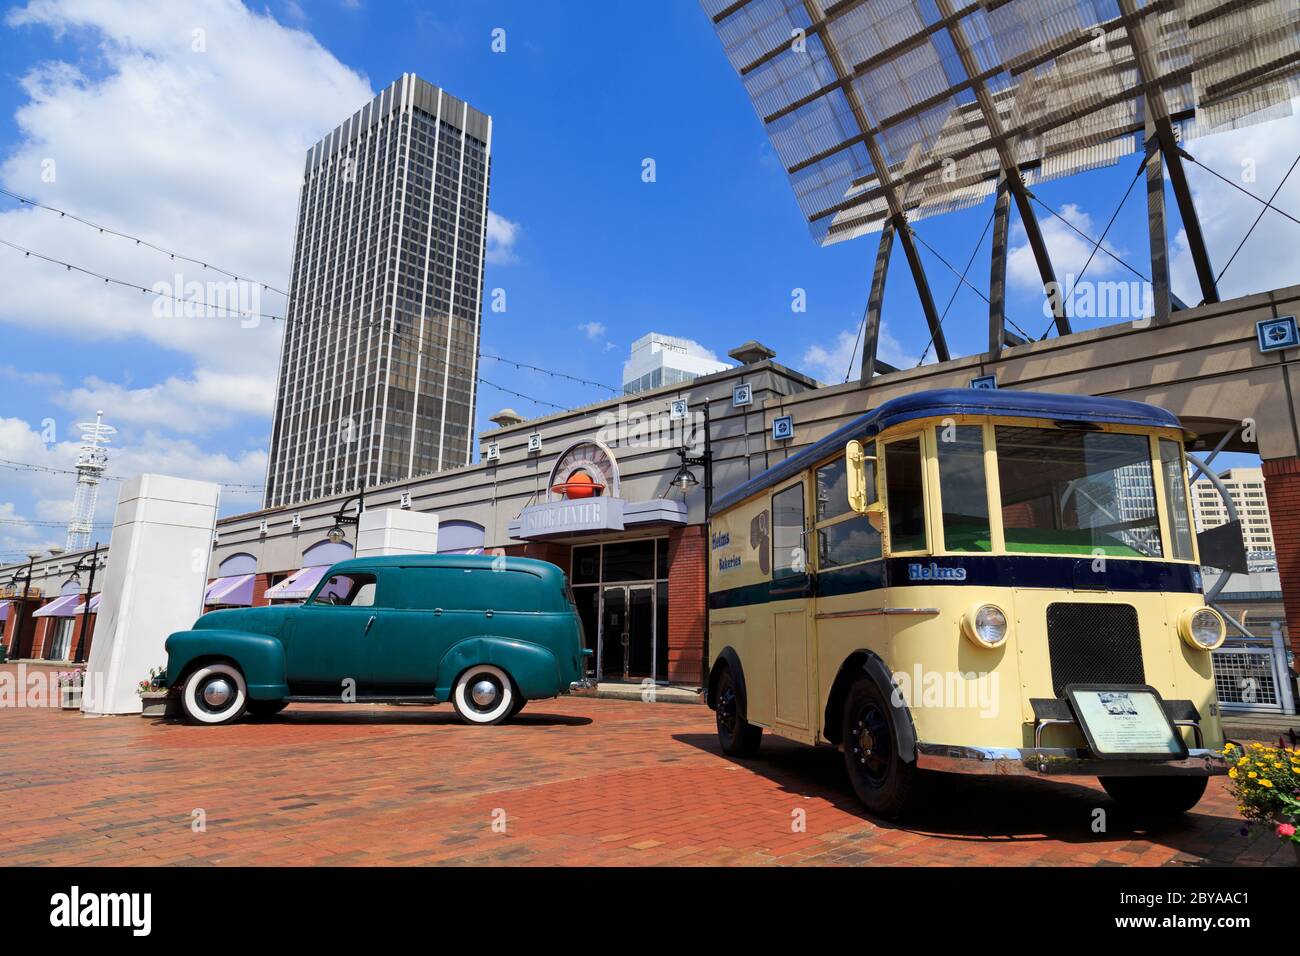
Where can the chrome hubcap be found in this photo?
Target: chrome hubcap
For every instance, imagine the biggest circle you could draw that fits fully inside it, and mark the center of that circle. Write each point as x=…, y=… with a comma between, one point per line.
x=483, y=693
x=217, y=693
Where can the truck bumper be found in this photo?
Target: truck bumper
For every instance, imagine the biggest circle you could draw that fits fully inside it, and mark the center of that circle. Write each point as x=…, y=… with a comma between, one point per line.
x=583, y=688
x=1062, y=761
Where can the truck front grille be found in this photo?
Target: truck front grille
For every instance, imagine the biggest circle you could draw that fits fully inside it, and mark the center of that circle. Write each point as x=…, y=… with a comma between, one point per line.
x=1094, y=644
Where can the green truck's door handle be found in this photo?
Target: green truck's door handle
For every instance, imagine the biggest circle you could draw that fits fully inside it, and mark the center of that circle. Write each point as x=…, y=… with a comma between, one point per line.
x=368, y=624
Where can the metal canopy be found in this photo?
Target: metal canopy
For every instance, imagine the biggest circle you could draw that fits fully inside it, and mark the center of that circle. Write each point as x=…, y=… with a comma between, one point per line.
x=886, y=112
x=941, y=89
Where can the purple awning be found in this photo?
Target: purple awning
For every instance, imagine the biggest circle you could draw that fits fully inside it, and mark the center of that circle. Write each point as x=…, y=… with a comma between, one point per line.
x=4, y=610
x=236, y=590
x=94, y=606
x=65, y=606
x=299, y=585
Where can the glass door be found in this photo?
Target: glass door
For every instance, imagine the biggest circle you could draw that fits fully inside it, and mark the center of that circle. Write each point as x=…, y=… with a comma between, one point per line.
x=614, y=636
x=627, y=632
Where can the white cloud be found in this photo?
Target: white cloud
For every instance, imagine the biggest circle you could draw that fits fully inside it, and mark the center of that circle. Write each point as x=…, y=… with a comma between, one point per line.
x=828, y=363
x=1067, y=249
x=191, y=133
x=593, y=330
x=208, y=400
x=51, y=493
x=31, y=378
x=1268, y=260
x=502, y=233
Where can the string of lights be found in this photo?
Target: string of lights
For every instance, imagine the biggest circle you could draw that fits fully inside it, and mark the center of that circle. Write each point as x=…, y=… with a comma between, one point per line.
x=64, y=214
x=338, y=320
x=31, y=522
x=547, y=371
x=110, y=280
x=51, y=470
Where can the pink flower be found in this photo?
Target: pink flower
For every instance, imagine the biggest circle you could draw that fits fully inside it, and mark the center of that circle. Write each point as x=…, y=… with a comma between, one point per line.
x=1285, y=830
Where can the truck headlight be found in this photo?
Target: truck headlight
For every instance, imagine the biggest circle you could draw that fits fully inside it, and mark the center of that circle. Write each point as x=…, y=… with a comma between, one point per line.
x=985, y=625
x=1202, y=628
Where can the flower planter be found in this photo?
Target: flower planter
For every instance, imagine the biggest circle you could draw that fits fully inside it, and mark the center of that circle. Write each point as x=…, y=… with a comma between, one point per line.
x=153, y=703
x=70, y=697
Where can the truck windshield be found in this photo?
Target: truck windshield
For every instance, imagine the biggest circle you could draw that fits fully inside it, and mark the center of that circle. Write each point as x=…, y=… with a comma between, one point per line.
x=1077, y=492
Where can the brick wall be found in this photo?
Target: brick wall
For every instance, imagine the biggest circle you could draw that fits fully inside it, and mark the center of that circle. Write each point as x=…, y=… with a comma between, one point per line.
x=75, y=652
x=44, y=629
x=687, y=601
x=1282, y=487
x=260, y=583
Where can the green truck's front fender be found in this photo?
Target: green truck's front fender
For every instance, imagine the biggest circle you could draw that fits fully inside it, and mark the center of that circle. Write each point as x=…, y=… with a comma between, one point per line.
x=534, y=669
x=259, y=657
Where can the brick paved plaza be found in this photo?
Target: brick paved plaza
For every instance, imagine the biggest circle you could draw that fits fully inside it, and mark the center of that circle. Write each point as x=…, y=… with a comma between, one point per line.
x=575, y=781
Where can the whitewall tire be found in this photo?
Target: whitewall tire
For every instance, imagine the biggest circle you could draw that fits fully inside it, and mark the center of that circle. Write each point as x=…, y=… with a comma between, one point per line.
x=484, y=695
x=214, y=694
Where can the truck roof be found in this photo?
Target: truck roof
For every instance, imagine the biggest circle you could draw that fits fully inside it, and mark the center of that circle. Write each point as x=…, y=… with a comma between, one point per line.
x=466, y=561
x=941, y=402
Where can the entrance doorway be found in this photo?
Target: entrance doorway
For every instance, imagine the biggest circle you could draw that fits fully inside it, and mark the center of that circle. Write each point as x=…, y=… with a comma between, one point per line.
x=621, y=590
x=627, y=632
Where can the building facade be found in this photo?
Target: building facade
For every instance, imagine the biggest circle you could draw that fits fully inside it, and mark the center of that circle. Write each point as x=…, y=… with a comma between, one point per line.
x=1246, y=488
x=658, y=360
x=379, y=357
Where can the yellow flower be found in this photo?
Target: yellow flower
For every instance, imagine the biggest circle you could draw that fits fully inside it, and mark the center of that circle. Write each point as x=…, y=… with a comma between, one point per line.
x=1266, y=783
x=1252, y=775
x=1233, y=773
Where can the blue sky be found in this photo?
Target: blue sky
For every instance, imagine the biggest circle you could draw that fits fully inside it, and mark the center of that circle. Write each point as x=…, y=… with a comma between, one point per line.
x=199, y=152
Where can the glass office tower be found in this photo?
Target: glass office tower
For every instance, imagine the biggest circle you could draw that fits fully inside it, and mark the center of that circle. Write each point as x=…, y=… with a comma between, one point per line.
x=380, y=351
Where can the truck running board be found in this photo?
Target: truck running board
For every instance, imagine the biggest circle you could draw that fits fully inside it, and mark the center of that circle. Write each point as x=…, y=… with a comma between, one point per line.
x=403, y=699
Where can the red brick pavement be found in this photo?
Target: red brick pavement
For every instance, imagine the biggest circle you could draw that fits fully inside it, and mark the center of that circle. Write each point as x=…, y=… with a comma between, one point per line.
x=574, y=781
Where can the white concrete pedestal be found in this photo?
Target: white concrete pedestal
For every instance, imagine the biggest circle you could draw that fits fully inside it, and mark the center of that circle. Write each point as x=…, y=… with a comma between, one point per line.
x=154, y=584
x=396, y=531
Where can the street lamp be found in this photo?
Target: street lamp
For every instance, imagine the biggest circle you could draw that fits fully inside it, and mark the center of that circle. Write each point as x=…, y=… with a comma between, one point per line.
x=93, y=559
x=685, y=479
x=337, y=533
x=26, y=577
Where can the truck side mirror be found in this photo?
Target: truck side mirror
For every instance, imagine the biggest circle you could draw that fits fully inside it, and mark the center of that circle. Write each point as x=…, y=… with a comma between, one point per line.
x=864, y=496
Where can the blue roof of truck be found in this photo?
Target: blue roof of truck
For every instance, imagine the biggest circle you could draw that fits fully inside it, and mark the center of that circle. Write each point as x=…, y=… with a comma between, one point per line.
x=940, y=402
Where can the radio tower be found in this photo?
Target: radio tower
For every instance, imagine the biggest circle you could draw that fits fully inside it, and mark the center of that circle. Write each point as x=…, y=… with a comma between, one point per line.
x=90, y=469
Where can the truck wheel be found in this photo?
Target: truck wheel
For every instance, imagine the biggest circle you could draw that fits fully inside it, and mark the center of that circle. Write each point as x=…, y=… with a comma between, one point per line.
x=214, y=694
x=883, y=781
x=1156, y=796
x=518, y=705
x=266, y=708
x=483, y=695
x=738, y=737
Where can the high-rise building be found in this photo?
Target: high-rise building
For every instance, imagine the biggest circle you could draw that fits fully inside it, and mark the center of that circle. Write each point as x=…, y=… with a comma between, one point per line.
x=380, y=352
x=658, y=360
x=1246, y=488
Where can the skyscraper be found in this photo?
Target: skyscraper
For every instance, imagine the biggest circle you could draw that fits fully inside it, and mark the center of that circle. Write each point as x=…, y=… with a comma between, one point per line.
x=380, y=352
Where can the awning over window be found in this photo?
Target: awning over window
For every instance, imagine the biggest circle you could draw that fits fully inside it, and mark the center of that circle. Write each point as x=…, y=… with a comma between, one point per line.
x=4, y=610
x=236, y=590
x=94, y=606
x=299, y=585
x=65, y=606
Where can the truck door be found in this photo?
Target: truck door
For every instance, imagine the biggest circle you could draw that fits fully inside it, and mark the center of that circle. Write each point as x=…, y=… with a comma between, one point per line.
x=791, y=598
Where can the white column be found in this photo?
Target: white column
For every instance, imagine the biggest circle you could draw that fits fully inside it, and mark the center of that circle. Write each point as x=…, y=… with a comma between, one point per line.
x=396, y=531
x=154, y=584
